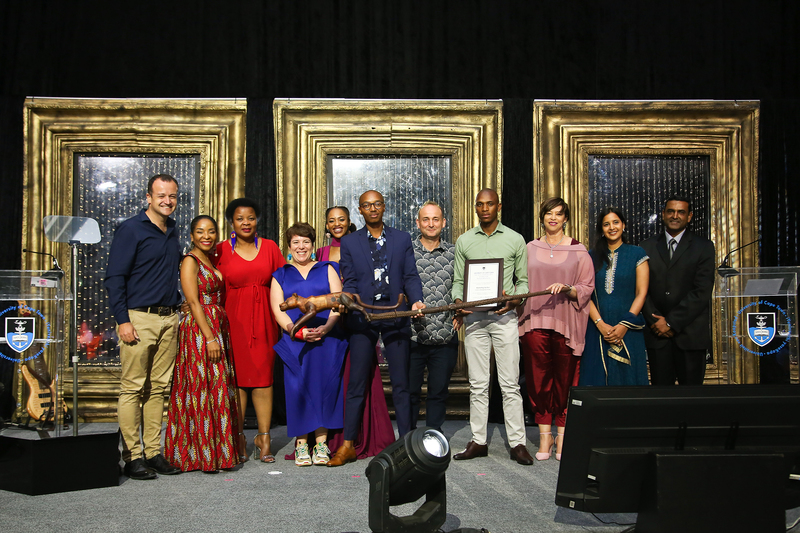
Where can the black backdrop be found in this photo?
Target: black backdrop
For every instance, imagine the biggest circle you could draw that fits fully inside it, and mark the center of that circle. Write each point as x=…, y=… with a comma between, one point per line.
x=516, y=51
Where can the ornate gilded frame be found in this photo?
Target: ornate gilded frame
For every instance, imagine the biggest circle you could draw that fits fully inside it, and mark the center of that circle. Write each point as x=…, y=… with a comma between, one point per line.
x=308, y=131
x=566, y=133
x=56, y=129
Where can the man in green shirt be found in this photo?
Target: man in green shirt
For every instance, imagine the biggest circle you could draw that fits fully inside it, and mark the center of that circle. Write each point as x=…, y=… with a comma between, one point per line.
x=498, y=329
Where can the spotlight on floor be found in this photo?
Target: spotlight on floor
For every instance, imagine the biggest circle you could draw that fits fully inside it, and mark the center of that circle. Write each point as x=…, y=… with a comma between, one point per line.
x=403, y=472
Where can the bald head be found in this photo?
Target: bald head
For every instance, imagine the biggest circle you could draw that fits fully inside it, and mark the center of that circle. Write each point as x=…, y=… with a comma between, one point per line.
x=491, y=192
x=371, y=206
x=370, y=193
x=487, y=207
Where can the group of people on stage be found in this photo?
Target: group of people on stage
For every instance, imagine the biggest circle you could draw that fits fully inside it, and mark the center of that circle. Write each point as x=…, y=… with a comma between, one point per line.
x=602, y=308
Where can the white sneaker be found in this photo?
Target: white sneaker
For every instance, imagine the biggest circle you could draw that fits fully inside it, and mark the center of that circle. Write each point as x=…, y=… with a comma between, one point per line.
x=322, y=454
x=301, y=456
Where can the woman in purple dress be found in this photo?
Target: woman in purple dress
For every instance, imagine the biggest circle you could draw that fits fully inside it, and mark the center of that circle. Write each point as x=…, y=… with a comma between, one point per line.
x=314, y=359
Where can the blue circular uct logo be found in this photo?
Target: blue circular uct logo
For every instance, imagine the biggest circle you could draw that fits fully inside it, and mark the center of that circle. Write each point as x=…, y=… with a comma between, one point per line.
x=21, y=332
x=760, y=326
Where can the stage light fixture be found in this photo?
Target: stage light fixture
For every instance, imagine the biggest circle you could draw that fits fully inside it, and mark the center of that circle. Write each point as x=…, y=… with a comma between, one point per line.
x=403, y=472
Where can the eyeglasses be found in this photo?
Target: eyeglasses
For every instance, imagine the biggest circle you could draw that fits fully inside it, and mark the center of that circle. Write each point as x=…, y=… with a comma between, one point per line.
x=367, y=205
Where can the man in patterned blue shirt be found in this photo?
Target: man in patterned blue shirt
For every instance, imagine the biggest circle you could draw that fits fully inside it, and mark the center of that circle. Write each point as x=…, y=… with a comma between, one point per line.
x=377, y=263
x=434, y=342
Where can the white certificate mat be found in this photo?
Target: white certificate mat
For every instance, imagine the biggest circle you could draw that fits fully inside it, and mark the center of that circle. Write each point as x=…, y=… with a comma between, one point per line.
x=483, y=279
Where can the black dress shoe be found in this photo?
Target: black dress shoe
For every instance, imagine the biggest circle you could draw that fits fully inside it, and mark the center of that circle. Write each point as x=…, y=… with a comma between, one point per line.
x=519, y=453
x=472, y=450
x=137, y=469
x=162, y=466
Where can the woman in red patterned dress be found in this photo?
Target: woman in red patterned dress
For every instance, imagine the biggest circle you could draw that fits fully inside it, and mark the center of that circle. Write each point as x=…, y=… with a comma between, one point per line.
x=247, y=263
x=203, y=411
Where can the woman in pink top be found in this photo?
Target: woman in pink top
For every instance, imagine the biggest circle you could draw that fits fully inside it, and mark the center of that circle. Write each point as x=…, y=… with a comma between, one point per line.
x=552, y=327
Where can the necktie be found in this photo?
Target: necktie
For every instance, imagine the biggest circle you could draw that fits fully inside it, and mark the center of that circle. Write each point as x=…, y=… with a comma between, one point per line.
x=672, y=244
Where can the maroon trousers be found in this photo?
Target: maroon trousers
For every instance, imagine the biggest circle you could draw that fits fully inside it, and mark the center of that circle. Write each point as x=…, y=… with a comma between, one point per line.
x=550, y=370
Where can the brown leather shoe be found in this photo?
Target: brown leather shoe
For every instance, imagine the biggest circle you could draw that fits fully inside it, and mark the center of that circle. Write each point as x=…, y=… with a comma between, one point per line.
x=472, y=451
x=343, y=456
x=519, y=453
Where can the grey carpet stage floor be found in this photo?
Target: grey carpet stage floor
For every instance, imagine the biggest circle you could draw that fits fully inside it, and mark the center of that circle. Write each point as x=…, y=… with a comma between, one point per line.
x=492, y=492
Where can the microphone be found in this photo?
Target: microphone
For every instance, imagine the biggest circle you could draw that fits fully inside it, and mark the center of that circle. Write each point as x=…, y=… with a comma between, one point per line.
x=56, y=269
x=725, y=268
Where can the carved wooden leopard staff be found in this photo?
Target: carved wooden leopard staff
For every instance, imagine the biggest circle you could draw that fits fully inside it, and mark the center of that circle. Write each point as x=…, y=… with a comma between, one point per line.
x=311, y=305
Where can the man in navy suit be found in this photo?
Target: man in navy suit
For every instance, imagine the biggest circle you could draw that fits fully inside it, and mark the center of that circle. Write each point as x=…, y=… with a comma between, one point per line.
x=677, y=308
x=377, y=263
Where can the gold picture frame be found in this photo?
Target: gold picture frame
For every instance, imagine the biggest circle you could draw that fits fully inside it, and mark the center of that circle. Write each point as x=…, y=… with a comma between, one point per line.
x=56, y=130
x=308, y=131
x=567, y=133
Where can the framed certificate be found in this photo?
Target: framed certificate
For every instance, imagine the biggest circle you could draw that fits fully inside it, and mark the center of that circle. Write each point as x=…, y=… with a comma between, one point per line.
x=483, y=279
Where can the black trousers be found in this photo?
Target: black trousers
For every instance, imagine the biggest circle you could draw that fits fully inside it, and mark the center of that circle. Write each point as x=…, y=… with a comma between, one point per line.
x=362, y=349
x=440, y=359
x=669, y=363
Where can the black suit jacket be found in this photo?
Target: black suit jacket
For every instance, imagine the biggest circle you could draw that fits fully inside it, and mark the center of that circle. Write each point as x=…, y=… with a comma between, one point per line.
x=356, y=267
x=680, y=290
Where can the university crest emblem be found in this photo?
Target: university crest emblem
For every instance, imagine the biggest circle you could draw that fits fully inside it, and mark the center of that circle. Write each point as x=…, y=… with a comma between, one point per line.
x=761, y=328
x=20, y=332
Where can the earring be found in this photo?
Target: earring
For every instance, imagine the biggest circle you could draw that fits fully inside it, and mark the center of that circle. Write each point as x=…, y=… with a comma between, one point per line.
x=313, y=256
x=233, y=239
x=256, y=240
x=289, y=257
x=564, y=229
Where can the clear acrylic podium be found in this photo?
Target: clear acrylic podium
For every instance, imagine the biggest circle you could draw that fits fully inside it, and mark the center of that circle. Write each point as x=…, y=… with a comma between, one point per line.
x=48, y=460
x=758, y=330
x=32, y=318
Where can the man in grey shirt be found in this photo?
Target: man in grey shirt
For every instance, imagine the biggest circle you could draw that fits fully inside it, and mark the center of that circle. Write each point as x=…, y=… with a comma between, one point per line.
x=434, y=343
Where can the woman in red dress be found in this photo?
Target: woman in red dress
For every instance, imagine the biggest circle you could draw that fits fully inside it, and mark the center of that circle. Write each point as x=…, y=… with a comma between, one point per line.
x=202, y=408
x=247, y=263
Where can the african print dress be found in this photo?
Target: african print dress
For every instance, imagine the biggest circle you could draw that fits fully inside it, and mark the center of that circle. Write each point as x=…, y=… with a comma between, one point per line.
x=201, y=432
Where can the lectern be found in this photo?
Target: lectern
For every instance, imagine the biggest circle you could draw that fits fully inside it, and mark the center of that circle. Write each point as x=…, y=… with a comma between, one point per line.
x=758, y=312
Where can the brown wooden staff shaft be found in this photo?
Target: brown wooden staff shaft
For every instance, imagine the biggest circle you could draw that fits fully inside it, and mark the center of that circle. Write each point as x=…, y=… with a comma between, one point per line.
x=452, y=307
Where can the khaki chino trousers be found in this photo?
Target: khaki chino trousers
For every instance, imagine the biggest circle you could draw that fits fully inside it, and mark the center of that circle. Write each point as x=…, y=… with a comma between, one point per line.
x=147, y=366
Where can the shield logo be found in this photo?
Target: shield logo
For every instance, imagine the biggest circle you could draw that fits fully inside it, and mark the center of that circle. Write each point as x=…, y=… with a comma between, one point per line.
x=20, y=332
x=761, y=328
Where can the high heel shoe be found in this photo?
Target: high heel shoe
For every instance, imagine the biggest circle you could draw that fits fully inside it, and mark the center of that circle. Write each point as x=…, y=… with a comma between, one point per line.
x=242, y=447
x=559, y=445
x=544, y=456
x=268, y=458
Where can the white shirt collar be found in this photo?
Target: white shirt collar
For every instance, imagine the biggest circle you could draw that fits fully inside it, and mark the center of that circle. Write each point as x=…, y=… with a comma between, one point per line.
x=677, y=237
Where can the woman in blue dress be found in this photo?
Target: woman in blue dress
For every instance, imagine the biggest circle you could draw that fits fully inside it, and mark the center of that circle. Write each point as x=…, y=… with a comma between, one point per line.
x=615, y=352
x=314, y=359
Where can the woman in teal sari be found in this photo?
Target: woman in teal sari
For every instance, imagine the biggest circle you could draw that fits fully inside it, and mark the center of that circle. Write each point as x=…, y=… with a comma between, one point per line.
x=615, y=352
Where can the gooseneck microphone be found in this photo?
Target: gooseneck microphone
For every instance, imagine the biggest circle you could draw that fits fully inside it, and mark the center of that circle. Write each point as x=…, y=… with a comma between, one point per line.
x=725, y=268
x=56, y=268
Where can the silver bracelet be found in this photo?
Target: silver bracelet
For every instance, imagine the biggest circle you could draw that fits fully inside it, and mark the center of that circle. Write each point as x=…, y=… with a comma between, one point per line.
x=212, y=340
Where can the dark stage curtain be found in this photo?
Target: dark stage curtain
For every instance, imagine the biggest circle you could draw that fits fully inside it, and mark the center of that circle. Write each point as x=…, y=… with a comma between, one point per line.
x=517, y=51
x=11, y=160
x=779, y=182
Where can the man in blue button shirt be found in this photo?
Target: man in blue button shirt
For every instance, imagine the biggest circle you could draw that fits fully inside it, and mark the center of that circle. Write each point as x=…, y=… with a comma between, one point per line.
x=142, y=284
